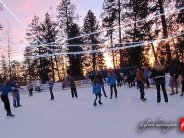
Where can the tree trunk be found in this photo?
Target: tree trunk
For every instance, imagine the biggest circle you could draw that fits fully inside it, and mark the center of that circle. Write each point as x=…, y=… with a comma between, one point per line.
x=29, y=68
x=94, y=58
x=57, y=68
x=112, y=52
x=53, y=73
x=164, y=26
x=119, y=22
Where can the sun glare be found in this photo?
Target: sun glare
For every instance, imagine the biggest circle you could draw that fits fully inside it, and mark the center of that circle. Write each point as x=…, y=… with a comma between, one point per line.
x=108, y=60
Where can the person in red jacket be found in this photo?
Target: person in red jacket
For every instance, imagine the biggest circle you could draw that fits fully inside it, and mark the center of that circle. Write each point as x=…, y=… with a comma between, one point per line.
x=140, y=82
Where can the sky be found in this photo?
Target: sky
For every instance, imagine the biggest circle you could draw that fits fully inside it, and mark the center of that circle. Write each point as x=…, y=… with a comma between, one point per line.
x=25, y=11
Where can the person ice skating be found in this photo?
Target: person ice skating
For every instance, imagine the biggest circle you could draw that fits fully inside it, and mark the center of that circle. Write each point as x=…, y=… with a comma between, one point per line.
x=131, y=79
x=37, y=85
x=158, y=72
x=92, y=76
x=112, y=82
x=140, y=81
x=30, y=87
x=147, y=74
x=174, y=73
x=101, y=80
x=182, y=83
x=16, y=87
x=73, y=87
x=5, y=90
x=51, y=85
x=118, y=76
x=97, y=91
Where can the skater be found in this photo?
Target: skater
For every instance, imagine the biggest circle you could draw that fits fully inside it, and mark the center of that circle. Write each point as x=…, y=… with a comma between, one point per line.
x=97, y=91
x=37, y=86
x=118, y=76
x=73, y=87
x=182, y=83
x=51, y=85
x=112, y=82
x=16, y=87
x=140, y=82
x=92, y=76
x=5, y=90
x=101, y=80
x=147, y=74
x=30, y=87
x=158, y=72
x=174, y=73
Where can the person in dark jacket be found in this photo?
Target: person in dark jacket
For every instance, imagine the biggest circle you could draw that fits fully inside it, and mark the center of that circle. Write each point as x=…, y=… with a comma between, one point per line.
x=101, y=80
x=174, y=73
x=182, y=82
x=51, y=85
x=5, y=90
x=158, y=72
x=97, y=91
x=73, y=87
x=140, y=81
x=112, y=82
x=118, y=76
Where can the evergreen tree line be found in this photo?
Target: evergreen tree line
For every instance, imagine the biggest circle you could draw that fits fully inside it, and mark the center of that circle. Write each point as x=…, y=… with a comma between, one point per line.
x=122, y=13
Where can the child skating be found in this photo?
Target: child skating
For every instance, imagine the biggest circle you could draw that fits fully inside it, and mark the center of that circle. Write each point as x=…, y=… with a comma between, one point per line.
x=97, y=91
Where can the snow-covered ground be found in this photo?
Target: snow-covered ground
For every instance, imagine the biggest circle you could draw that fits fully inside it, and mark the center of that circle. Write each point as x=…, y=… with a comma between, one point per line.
x=77, y=118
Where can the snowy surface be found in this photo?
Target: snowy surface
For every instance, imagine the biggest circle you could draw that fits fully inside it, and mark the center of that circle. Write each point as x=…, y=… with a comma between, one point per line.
x=77, y=118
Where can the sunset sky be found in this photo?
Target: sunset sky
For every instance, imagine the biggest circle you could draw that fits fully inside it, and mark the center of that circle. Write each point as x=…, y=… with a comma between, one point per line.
x=26, y=9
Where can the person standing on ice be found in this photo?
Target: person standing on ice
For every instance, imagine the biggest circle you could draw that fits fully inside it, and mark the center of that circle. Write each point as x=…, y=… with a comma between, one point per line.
x=37, y=85
x=30, y=87
x=112, y=82
x=174, y=73
x=101, y=80
x=51, y=85
x=97, y=91
x=16, y=87
x=73, y=87
x=158, y=72
x=140, y=82
x=5, y=90
x=182, y=83
x=147, y=74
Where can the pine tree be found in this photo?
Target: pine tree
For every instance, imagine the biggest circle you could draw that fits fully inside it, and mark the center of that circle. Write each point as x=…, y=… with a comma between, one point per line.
x=75, y=61
x=38, y=67
x=4, y=67
x=109, y=20
x=66, y=16
x=91, y=25
x=49, y=34
x=180, y=21
x=66, y=20
x=137, y=10
x=180, y=18
x=165, y=31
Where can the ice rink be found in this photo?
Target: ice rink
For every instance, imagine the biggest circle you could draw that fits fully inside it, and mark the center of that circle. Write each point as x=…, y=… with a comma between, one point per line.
x=78, y=118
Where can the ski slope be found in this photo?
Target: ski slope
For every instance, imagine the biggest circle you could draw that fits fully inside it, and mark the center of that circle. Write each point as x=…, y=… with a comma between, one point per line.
x=78, y=118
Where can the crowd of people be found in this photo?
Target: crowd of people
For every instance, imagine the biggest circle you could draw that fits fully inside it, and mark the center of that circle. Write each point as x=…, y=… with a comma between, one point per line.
x=115, y=78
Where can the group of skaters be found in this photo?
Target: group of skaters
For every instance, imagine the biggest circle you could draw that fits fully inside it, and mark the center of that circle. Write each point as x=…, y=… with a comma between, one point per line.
x=37, y=84
x=142, y=76
x=114, y=79
x=12, y=86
